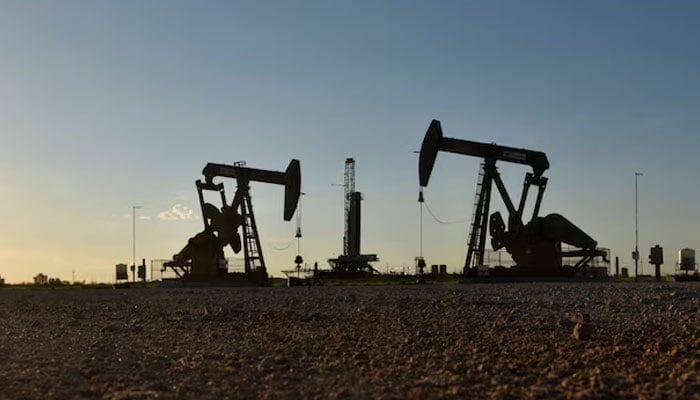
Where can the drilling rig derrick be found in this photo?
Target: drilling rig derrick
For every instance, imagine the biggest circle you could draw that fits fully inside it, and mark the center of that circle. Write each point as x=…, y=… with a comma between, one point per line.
x=352, y=263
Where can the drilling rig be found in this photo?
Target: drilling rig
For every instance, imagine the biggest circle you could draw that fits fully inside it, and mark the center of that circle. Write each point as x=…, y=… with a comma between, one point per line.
x=535, y=246
x=352, y=263
x=202, y=259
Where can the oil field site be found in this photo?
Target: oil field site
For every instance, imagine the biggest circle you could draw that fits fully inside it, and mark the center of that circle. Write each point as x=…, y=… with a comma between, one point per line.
x=543, y=248
x=349, y=200
x=555, y=322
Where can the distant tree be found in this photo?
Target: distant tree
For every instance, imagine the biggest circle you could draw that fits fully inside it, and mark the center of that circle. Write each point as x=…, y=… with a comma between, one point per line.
x=2, y=281
x=41, y=279
x=56, y=282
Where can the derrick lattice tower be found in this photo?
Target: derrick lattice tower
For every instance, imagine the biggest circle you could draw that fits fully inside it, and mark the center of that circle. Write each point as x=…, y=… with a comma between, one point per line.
x=349, y=193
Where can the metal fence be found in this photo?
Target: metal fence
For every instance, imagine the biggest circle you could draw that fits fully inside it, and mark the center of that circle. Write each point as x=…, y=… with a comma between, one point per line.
x=158, y=272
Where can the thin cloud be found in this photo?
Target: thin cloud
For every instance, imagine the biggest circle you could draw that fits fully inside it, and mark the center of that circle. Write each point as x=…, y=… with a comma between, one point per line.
x=179, y=212
x=140, y=217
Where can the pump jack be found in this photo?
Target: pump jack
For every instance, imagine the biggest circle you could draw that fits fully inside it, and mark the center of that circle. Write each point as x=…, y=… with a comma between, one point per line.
x=536, y=246
x=203, y=256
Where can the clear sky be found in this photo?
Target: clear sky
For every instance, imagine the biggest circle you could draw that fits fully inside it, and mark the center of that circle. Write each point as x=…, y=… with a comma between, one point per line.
x=105, y=105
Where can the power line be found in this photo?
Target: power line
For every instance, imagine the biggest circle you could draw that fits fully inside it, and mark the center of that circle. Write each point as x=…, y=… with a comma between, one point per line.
x=288, y=245
x=440, y=221
x=297, y=234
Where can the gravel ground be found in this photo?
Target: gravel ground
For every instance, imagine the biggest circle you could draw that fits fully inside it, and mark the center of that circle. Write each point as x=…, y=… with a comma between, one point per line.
x=414, y=342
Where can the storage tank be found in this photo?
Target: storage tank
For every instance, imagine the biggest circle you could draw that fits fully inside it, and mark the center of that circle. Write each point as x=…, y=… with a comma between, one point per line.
x=686, y=259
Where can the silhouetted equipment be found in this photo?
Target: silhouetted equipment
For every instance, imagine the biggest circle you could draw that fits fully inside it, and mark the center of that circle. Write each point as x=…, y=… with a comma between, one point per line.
x=536, y=246
x=420, y=265
x=141, y=270
x=686, y=263
x=686, y=259
x=121, y=272
x=656, y=255
x=203, y=256
x=656, y=258
x=352, y=262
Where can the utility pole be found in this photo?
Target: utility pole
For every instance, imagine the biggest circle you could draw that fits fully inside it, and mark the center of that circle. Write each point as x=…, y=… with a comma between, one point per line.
x=636, y=227
x=421, y=201
x=133, y=228
x=298, y=259
x=420, y=261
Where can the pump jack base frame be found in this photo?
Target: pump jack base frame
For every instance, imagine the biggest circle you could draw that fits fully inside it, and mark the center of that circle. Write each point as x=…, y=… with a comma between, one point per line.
x=521, y=274
x=222, y=278
x=351, y=267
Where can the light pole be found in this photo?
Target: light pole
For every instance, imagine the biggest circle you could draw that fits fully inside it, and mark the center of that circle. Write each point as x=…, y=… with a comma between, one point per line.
x=421, y=201
x=421, y=261
x=636, y=227
x=133, y=228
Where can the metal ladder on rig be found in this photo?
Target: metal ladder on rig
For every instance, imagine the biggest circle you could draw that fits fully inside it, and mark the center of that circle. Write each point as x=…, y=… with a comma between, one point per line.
x=477, y=236
x=254, y=260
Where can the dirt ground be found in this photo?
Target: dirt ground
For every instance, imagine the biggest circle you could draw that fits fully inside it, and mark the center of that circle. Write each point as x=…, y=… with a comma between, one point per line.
x=395, y=342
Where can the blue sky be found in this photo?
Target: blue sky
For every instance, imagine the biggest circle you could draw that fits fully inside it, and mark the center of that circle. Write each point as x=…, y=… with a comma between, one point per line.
x=104, y=105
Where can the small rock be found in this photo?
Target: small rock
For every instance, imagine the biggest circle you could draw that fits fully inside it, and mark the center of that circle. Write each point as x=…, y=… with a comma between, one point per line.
x=582, y=331
x=312, y=316
x=580, y=317
x=566, y=323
